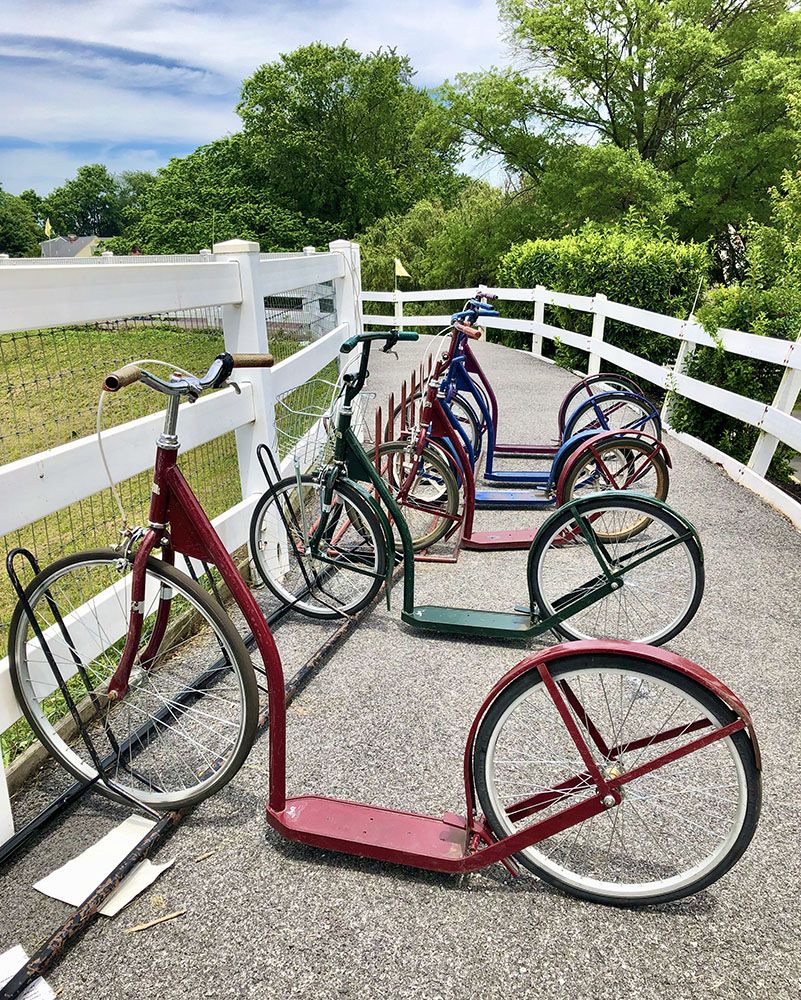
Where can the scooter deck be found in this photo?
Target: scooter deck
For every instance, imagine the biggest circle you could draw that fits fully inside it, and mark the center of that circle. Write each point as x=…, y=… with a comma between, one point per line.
x=467, y=621
x=518, y=476
x=434, y=843
x=526, y=450
x=519, y=538
x=511, y=499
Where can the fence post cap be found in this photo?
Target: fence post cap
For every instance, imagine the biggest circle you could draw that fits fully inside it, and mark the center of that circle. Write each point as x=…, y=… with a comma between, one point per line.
x=310, y=250
x=237, y=246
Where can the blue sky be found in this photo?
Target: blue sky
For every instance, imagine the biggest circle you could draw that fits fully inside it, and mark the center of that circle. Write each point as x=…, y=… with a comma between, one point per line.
x=132, y=83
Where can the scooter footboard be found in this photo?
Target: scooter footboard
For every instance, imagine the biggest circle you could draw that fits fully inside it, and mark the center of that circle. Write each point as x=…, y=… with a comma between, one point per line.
x=545, y=660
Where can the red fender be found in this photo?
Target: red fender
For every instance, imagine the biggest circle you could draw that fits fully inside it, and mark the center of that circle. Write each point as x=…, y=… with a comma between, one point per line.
x=580, y=453
x=632, y=650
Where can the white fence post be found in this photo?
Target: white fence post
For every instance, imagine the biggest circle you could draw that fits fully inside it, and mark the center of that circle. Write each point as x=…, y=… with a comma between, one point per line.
x=539, y=317
x=784, y=400
x=245, y=332
x=348, y=289
x=598, y=324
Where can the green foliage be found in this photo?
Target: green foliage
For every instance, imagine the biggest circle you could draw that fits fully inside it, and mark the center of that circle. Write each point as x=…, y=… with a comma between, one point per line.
x=441, y=247
x=772, y=312
x=602, y=183
x=630, y=265
x=88, y=204
x=700, y=89
x=19, y=234
x=346, y=137
x=213, y=195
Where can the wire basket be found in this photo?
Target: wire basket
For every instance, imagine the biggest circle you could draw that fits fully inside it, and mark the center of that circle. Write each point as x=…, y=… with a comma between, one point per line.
x=306, y=419
x=304, y=422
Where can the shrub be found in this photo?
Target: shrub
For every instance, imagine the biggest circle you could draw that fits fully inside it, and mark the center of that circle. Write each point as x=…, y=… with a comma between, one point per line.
x=628, y=263
x=773, y=312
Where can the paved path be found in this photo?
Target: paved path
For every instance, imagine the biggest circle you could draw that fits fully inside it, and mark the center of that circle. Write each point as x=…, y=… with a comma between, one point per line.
x=384, y=722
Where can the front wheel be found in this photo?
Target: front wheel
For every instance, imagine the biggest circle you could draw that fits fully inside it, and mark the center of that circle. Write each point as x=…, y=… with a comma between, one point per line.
x=678, y=828
x=430, y=504
x=189, y=717
x=614, y=411
x=339, y=574
x=657, y=570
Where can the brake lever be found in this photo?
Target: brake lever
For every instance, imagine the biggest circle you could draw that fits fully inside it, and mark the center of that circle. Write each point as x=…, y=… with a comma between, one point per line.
x=388, y=350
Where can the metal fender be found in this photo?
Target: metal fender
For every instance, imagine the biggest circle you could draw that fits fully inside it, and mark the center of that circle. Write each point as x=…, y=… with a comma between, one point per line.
x=566, y=450
x=560, y=472
x=601, y=396
x=386, y=529
x=560, y=512
x=626, y=650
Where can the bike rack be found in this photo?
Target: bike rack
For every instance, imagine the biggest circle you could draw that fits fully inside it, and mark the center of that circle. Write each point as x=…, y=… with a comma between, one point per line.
x=386, y=432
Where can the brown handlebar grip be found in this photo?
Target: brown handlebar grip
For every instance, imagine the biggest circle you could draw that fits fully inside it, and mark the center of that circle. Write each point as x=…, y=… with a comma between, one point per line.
x=253, y=360
x=126, y=375
x=471, y=331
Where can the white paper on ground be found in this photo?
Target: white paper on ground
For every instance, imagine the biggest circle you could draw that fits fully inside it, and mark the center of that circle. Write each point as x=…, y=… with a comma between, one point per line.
x=11, y=962
x=77, y=879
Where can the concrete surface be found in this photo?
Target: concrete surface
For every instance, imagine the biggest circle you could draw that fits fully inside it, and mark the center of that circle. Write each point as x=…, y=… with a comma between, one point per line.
x=385, y=722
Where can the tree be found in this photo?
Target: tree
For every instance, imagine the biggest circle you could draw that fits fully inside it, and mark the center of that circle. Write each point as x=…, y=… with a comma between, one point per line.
x=19, y=234
x=347, y=137
x=700, y=89
x=211, y=195
x=88, y=204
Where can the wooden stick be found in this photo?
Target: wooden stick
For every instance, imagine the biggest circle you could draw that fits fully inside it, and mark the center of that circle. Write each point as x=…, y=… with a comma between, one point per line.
x=152, y=923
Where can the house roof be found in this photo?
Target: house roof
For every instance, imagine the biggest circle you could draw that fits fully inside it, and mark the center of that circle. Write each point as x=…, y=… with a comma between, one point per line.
x=62, y=246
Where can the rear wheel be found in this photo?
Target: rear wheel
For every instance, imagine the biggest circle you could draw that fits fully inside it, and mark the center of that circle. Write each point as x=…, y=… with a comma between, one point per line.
x=343, y=573
x=592, y=386
x=619, y=464
x=659, y=566
x=678, y=828
x=189, y=717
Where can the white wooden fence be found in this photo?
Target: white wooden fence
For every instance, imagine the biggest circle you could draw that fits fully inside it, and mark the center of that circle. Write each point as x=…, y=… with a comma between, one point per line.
x=774, y=420
x=237, y=278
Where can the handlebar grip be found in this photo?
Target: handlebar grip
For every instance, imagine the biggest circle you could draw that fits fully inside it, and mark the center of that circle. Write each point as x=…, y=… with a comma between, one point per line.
x=391, y=338
x=469, y=331
x=126, y=375
x=252, y=360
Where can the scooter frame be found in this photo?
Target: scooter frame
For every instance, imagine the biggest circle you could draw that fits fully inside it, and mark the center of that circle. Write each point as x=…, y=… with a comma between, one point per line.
x=454, y=844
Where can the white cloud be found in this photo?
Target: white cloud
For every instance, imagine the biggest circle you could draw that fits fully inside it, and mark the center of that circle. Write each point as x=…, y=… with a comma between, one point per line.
x=102, y=97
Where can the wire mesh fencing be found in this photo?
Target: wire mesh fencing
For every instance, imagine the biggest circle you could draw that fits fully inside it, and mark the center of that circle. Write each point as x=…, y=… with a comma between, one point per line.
x=50, y=381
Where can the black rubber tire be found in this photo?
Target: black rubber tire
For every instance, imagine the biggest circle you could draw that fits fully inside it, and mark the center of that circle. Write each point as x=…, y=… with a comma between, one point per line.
x=604, y=501
x=217, y=615
x=353, y=496
x=595, y=663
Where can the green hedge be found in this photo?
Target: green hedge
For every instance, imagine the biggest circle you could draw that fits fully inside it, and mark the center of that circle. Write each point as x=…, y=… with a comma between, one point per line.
x=637, y=268
x=773, y=312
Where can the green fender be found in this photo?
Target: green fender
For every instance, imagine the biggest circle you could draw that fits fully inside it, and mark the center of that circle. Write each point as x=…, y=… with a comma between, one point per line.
x=386, y=528
x=560, y=512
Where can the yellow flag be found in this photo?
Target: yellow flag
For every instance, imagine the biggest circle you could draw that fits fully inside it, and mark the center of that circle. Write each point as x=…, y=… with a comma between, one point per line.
x=48, y=228
x=400, y=270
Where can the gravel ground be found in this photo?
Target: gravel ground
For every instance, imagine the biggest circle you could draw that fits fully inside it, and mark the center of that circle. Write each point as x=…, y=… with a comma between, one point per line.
x=385, y=722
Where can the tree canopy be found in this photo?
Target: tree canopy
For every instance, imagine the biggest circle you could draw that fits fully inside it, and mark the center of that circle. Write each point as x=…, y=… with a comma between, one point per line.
x=346, y=137
x=19, y=234
x=698, y=89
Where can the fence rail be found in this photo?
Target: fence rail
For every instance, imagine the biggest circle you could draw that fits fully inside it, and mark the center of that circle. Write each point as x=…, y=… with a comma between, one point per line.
x=774, y=421
x=234, y=279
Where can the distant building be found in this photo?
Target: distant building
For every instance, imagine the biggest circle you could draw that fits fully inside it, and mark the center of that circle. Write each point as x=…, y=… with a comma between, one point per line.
x=70, y=246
